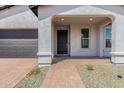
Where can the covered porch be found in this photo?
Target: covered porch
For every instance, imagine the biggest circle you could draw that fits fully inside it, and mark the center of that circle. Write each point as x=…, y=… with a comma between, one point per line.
x=88, y=31
x=81, y=35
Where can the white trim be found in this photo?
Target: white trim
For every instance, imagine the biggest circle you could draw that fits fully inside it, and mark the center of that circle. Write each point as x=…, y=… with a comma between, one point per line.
x=105, y=49
x=117, y=53
x=42, y=54
x=86, y=27
x=43, y=64
x=108, y=27
x=101, y=41
x=85, y=38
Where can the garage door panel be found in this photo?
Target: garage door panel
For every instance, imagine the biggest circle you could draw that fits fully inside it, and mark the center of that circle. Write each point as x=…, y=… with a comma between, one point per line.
x=18, y=43
x=19, y=34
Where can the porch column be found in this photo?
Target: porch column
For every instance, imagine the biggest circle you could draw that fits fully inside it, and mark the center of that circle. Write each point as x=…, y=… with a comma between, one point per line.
x=118, y=40
x=44, y=42
x=101, y=41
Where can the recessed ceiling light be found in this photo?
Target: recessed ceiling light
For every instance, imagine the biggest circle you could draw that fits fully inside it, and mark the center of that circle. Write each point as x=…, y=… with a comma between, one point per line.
x=62, y=19
x=91, y=19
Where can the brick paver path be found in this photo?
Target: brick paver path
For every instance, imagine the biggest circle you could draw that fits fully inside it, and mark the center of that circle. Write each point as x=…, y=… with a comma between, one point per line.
x=64, y=73
x=12, y=70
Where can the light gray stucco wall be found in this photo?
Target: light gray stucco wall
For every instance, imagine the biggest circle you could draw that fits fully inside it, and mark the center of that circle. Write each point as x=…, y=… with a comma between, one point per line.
x=75, y=43
x=13, y=11
x=45, y=41
x=118, y=40
x=117, y=28
x=50, y=10
x=22, y=19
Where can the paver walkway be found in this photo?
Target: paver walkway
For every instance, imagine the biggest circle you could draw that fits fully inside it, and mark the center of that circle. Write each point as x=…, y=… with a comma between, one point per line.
x=64, y=73
x=12, y=70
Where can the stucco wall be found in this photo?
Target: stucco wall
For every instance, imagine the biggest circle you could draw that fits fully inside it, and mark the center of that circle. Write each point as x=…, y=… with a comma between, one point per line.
x=117, y=27
x=13, y=10
x=75, y=39
x=50, y=10
x=23, y=20
x=76, y=49
x=45, y=41
x=97, y=40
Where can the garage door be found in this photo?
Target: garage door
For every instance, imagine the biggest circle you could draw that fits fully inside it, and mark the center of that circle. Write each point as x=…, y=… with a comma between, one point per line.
x=18, y=43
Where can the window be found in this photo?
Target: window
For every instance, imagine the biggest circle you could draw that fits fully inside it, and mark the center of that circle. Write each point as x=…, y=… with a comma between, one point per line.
x=85, y=38
x=108, y=38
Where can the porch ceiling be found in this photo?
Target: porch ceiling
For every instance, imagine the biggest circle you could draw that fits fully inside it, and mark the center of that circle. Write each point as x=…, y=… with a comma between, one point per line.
x=80, y=19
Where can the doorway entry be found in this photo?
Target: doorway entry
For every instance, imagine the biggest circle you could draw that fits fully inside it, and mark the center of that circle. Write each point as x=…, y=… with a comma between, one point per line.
x=62, y=42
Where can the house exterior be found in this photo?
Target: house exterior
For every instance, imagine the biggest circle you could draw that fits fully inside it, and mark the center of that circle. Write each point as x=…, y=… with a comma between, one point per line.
x=18, y=32
x=61, y=30
x=68, y=30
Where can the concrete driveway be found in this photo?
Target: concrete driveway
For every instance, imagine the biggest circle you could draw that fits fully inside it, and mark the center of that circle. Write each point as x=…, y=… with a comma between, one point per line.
x=12, y=70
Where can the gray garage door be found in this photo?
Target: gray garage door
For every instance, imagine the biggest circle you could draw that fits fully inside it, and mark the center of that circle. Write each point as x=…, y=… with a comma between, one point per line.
x=18, y=43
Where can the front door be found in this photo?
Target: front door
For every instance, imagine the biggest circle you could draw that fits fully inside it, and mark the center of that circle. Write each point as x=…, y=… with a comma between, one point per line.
x=62, y=41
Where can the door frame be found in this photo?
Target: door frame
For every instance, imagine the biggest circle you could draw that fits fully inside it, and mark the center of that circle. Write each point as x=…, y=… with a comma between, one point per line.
x=63, y=27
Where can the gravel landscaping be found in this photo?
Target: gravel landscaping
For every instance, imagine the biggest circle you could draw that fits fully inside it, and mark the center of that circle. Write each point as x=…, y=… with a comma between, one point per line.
x=33, y=79
x=102, y=75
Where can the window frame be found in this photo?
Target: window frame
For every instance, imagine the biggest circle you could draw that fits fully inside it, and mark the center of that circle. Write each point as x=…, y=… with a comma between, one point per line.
x=85, y=38
x=105, y=38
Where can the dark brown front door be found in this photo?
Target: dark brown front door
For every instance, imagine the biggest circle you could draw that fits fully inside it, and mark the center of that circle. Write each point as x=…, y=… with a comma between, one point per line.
x=62, y=40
